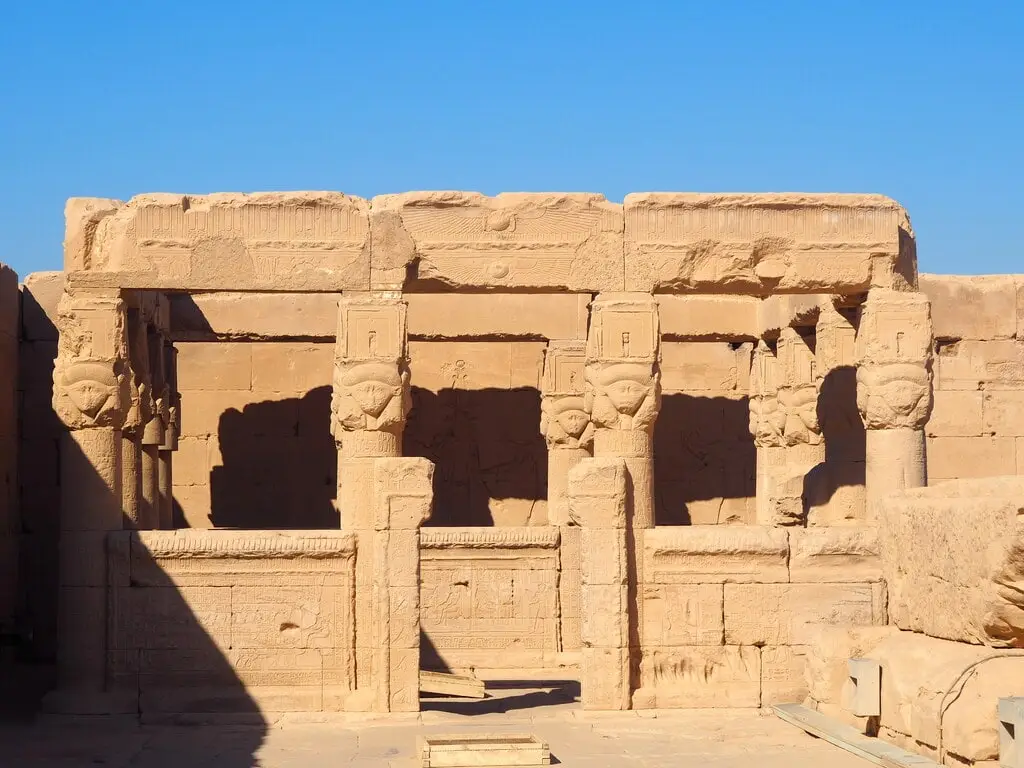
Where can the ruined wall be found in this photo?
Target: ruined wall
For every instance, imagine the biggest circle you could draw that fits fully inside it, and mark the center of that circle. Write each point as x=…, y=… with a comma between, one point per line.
x=9, y=515
x=977, y=425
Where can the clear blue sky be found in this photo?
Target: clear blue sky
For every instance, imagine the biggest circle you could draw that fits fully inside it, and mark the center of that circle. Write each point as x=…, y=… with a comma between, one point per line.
x=922, y=101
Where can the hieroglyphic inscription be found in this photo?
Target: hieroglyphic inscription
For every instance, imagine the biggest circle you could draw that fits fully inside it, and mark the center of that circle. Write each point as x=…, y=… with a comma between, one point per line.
x=490, y=589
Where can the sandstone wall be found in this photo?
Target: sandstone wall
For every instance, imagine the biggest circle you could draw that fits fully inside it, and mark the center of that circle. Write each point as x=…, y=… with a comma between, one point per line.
x=977, y=425
x=255, y=449
x=9, y=514
x=231, y=621
x=727, y=612
x=490, y=600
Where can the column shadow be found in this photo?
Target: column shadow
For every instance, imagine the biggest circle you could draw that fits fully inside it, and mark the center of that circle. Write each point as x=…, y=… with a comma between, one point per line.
x=705, y=461
x=277, y=471
x=490, y=458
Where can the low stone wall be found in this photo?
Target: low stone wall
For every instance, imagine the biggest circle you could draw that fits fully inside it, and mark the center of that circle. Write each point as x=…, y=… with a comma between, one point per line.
x=726, y=612
x=490, y=600
x=231, y=621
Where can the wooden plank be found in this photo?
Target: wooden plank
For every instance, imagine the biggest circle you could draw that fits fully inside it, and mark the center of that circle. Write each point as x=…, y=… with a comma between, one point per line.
x=850, y=739
x=452, y=685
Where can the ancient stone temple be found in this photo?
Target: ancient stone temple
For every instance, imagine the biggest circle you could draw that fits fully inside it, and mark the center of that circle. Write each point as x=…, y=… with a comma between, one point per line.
x=284, y=452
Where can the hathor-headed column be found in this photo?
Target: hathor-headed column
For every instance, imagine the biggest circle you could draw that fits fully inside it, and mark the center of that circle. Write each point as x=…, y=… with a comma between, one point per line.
x=784, y=422
x=153, y=432
x=624, y=390
x=371, y=397
x=894, y=390
x=168, y=410
x=564, y=421
x=131, y=432
x=91, y=395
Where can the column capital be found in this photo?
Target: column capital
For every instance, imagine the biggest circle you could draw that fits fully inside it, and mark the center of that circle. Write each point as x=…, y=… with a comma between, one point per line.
x=894, y=357
x=767, y=419
x=371, y=372
x=90, y=376
x=622, y=377
x=564, y=410
x=798, y=389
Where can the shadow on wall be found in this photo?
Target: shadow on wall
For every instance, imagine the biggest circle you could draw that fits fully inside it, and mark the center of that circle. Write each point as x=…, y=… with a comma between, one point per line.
x=160, y=669
x=705, y=461
x=490, y=458
x=277, y=471
x=845, y=451
x=171, y=665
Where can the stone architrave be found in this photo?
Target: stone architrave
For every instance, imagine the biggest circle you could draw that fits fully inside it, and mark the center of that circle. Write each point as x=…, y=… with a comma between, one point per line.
x=388, y=602
x=371, y=396
x=598, y=503
x=564, y=421
x=894, y=390
x=92, y=396
x=623, y=390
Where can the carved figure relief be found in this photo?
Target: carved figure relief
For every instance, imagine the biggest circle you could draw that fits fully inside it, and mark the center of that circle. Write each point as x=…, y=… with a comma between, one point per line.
x=623, y=396
x=371, y=396
x=798, y=393
x=898, y=395
x=564, y=411
x=371, y=377
x=91, y=386
x=767, y=417
x=894, y=377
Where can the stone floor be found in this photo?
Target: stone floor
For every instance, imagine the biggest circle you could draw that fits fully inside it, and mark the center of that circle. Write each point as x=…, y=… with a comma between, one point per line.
x=705, y=738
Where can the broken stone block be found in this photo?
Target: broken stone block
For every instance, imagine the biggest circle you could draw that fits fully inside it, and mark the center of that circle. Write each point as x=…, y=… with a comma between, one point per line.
x=967, y=592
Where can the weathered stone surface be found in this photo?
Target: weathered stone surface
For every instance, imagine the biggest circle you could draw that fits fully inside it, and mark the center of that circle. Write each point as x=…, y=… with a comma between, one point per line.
x=779, y=614
x=707, y=555
x=928, y=684
x=980, y=307
x=710, y=318
x=701, y=676
x=834, y=555
x=829, y=648
x=968, y=592
x=512, y=315
x=570, y=241
x=759, y=243
x=253, y=316
x=270, y=240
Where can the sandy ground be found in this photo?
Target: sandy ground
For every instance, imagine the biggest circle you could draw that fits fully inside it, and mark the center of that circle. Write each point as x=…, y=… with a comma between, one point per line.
x=706, y=738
